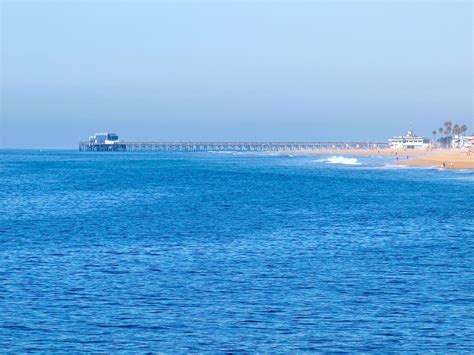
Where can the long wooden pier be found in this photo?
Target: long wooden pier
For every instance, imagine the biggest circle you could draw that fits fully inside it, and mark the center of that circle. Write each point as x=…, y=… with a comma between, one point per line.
x=225, y=146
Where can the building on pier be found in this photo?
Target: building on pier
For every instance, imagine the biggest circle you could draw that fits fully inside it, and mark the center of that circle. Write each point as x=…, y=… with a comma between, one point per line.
x=103, y=142
x=104, y=138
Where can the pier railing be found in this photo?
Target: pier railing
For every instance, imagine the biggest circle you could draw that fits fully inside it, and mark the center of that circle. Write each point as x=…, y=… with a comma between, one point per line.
x=227, y=146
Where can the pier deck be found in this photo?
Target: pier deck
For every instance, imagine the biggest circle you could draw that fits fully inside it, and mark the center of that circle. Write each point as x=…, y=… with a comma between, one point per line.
x=226, y=146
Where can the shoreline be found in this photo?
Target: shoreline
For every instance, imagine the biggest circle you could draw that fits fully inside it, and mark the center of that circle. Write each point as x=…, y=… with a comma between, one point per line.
x=439, y=158
x=446, y=160
x=360, y=152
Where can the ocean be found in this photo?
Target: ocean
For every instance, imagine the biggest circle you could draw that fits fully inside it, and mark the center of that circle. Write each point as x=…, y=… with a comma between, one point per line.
x=203, y=252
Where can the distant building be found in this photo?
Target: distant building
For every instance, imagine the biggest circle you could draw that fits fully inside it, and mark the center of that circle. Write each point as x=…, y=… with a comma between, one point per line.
x=104, y=138
x=409, y=141
x=460, y=142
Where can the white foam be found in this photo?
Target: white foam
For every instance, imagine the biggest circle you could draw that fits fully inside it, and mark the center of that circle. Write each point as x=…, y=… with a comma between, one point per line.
x=394, y=166
x=339, y=160
x=401, y=166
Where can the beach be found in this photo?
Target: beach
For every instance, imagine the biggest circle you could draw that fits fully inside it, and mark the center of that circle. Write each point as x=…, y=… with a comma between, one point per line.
x=362, y=152
x=447, y=159
x=452, y=159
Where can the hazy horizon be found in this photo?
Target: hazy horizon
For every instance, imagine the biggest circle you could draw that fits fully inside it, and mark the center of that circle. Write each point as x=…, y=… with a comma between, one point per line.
x=208, y=71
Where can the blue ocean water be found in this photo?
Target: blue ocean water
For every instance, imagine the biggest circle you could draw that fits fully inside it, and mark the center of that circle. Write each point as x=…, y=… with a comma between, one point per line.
x=233, y=252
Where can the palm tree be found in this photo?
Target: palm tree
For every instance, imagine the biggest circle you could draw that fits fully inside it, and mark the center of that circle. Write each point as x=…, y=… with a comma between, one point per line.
x=440, y=132
x=460, y=132
x=448, y=126
x=456, y=129
x=434, y=137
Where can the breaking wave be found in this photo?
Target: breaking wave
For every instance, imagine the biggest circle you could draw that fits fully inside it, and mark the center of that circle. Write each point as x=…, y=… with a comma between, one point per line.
x=339, y=160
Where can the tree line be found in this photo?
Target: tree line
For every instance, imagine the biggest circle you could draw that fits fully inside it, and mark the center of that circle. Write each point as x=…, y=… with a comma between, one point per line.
x=447, y=132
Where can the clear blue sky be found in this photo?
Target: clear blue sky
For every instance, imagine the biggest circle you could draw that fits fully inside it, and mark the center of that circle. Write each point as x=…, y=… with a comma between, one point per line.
x=232, y=70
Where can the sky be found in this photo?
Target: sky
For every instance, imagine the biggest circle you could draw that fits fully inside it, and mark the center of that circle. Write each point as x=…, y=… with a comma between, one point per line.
x=232, y=70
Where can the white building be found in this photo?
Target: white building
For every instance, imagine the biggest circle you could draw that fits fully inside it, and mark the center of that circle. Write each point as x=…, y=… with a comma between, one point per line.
x=409, y=141
x=104, y=138
x=460, y=142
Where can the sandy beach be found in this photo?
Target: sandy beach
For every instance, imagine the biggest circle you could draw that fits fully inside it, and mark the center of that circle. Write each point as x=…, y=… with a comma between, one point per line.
x=447, y=159
x=452, y=159
x=366, y=152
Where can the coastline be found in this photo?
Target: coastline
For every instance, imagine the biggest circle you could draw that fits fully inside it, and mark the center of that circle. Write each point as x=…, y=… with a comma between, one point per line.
x=361, y=152
x=452, y=159
x=444, y=159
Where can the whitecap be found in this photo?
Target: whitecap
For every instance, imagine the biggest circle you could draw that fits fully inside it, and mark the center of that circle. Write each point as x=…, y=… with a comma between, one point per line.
x=339, y=160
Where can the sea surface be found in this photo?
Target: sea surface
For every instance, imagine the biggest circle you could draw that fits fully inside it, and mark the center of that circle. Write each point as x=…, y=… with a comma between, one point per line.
x=202, y=252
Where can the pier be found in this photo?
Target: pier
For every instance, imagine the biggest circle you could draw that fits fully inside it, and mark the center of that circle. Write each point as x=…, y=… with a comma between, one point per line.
x=225, y=146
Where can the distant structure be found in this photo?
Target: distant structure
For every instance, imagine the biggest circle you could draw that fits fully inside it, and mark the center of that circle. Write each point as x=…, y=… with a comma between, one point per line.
x=107, y=142
x=409, y=141
x=462, y=142
x=103, y=142
x=104, y=138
